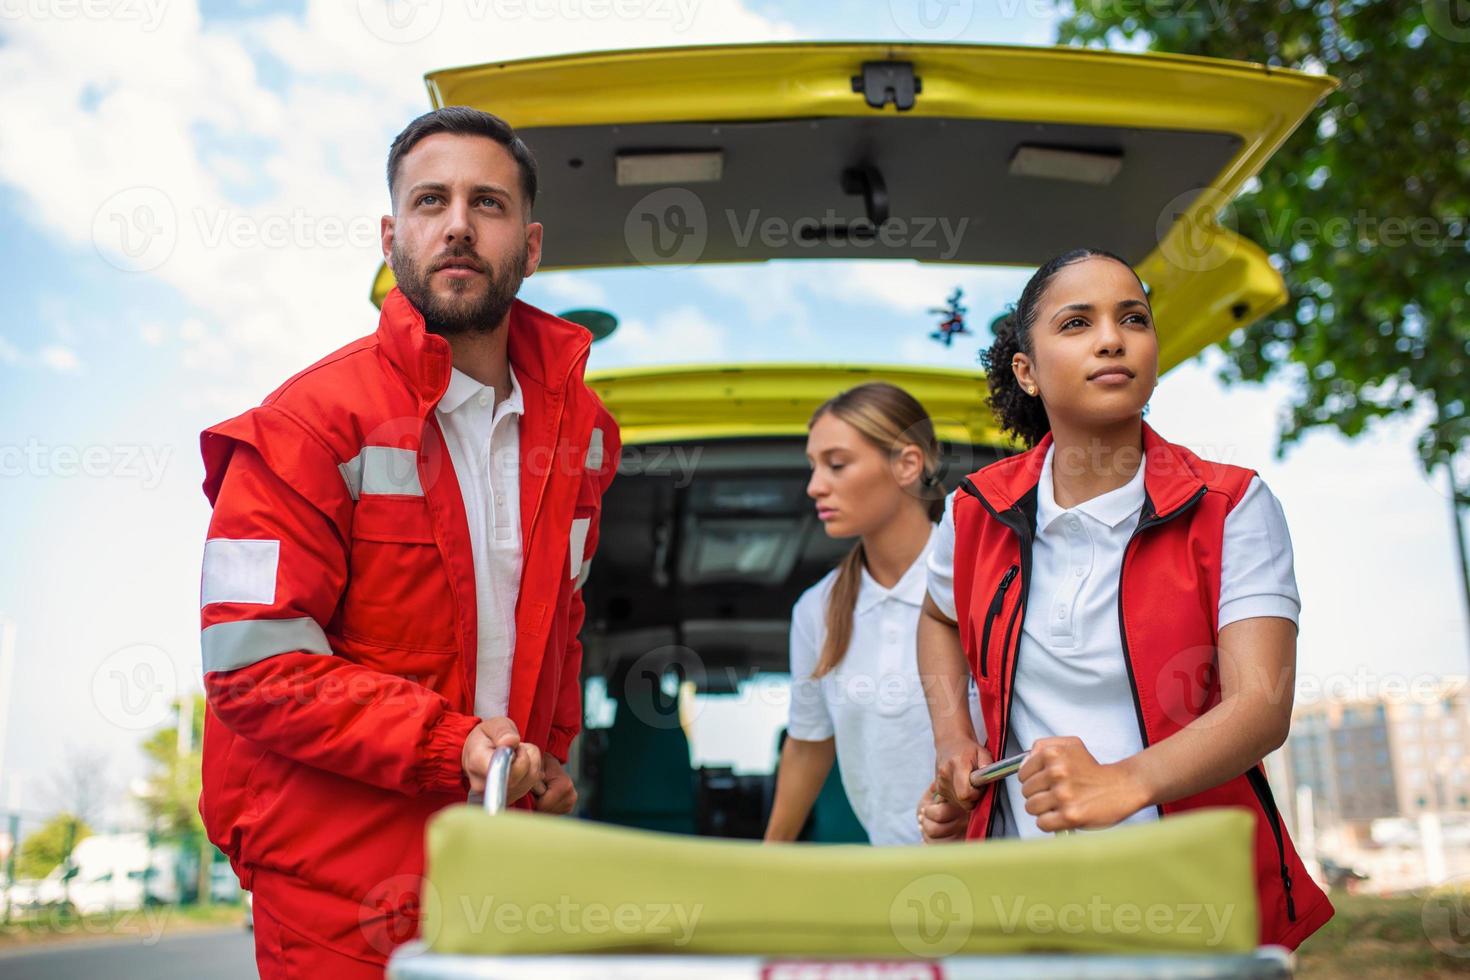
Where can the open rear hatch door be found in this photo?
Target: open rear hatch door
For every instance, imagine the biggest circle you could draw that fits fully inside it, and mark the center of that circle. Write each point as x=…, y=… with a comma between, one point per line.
x=666, y=155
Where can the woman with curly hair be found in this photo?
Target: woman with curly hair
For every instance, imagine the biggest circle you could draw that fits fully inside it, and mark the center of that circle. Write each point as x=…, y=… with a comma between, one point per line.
x=1127, y=609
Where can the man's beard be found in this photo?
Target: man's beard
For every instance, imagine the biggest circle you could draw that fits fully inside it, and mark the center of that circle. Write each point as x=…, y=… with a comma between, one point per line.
x=462, y=315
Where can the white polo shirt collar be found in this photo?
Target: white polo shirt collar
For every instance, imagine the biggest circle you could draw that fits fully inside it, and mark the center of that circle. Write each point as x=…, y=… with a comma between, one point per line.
x=910, y=588
x=1111, y=508
x=462, y=388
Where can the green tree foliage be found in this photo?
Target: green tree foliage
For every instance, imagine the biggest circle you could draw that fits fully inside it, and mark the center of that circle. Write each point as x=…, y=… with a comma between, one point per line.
x=47, y=846
x=171, y=797
x=1364, y=210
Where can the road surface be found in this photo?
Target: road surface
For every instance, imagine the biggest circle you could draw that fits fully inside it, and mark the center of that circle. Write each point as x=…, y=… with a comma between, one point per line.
x=219, y=954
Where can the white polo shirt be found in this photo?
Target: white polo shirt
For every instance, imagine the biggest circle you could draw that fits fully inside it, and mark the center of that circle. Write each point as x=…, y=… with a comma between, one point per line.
x=484, y=445
x=1070, y=675
x=872, y=702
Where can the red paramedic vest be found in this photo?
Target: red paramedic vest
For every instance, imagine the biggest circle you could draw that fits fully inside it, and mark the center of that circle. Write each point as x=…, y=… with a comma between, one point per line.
x=1168, y=609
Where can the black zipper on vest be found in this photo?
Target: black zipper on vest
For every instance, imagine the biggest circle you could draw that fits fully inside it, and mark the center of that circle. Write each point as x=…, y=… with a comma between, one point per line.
x=1006, y=643
x=1149, y=520
x=1262, y=788
x=990, y=616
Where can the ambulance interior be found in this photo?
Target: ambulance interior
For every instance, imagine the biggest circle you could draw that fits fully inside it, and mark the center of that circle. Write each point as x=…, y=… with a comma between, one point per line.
x=705, y=546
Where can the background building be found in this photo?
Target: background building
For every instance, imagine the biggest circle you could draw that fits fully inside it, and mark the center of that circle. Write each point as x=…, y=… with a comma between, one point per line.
x=1380, y=783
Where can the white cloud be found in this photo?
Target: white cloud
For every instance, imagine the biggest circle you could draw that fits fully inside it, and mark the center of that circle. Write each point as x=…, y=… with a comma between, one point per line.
x=680, y=336
x=909, y=287
x=9, y=353
x=58, y=358
x=204, y=350
x=767, y=292
x=915, y=349
x=179, y=118
x=789, y=292
x=571, y=288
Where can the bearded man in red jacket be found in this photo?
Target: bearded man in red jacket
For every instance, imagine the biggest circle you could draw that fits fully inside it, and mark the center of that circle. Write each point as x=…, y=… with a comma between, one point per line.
x=391, y=578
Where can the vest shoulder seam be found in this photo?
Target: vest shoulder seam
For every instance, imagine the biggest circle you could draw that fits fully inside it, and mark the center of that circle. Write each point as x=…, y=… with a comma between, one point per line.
x=305, y=428
x=1233, y=494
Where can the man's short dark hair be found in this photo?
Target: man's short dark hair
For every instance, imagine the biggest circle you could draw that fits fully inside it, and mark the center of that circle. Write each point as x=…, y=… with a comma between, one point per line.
x=464, y=121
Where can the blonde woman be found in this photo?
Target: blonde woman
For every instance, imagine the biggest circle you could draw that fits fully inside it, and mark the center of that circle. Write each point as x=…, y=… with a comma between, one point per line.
x=855, y=690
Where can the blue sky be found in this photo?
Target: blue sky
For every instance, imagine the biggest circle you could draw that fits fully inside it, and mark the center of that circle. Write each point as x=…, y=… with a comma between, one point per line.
x=224, y=121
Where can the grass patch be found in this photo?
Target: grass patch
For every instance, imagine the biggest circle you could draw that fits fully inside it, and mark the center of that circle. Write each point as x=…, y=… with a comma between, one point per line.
x=1374, y=938
x=146, y=925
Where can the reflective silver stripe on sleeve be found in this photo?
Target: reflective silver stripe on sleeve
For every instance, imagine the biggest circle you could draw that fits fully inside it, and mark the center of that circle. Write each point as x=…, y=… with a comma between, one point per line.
x=230, y=646
x=352, y=475
x=582, y=575
x=382, y=469
x=594, y=450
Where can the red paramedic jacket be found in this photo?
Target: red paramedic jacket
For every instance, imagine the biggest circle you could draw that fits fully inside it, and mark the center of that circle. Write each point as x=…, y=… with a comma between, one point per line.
x=1168, y=606
x=338, y=609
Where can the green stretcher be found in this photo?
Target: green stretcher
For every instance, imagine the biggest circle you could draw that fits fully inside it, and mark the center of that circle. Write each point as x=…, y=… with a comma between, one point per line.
x=510, y=895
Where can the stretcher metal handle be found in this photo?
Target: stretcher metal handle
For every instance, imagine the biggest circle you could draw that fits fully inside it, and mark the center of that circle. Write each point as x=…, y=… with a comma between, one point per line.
x=999, y=769
x=497, y=779
x=1002, y=768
